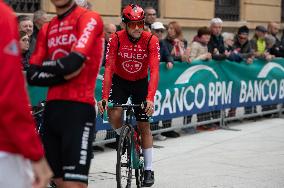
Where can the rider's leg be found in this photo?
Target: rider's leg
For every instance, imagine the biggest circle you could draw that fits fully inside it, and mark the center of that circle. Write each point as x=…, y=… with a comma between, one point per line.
x=147, y=148
x=68, y=184
x=147, y=143
x=115, y=119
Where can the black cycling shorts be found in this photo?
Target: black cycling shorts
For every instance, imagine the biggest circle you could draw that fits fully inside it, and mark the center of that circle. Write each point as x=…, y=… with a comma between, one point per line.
x=68, y=134
x=122, y=89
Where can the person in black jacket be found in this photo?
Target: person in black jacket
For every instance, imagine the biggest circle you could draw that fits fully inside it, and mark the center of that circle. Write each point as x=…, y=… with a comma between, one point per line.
x=158, y=29
x=216, y=44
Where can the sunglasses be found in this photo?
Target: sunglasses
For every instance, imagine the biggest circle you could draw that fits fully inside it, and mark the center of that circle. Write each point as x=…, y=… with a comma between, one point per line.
x=159, y=31
x=243, y=38
x=132, y=25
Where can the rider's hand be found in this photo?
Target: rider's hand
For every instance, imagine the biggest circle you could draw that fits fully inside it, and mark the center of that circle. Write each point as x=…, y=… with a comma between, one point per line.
x=42, y=173
x=100, y=106
x=149, y=108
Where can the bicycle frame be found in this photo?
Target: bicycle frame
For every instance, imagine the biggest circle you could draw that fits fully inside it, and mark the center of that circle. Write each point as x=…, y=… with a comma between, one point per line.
x=137, y=161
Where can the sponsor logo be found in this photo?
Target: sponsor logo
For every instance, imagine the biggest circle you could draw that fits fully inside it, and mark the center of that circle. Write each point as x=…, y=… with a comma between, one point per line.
x=84, y=146
x=86, y=33
x=58, y=53
x=267, y=68
x=186, y=75
x=12, y=48
x=61, y=40
x=137, y=56
x=132, y=66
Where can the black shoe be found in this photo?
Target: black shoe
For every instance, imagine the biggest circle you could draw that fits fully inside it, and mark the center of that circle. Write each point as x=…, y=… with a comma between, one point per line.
x=148, y=178
x=171, y=134
x=112, y=145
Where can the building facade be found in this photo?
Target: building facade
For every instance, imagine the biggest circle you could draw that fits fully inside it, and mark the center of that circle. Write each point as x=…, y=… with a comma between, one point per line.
x=191, y=14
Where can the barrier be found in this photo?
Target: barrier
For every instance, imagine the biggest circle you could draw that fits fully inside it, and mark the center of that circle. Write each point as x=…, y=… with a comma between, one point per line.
x=204, y=92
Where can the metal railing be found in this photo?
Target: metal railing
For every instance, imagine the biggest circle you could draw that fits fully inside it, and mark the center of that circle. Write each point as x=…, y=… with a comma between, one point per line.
x=24, y=6
x=228, y=10
x=221, y=119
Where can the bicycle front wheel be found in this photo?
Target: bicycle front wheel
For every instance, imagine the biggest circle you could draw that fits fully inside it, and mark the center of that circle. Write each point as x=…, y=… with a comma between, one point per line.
x=123, y=165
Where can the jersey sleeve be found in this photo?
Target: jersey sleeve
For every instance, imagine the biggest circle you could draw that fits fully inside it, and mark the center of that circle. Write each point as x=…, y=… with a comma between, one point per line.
x=154, y=62
x=40, y=53
x=90, y=28
x=16, y=122
x=111, y=56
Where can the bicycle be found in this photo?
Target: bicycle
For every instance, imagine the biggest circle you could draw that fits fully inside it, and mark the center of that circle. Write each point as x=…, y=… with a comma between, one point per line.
x=129, y=151
x=37, y=113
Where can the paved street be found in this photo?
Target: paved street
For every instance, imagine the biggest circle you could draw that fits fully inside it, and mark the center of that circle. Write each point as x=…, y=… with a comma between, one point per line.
x=250, y=158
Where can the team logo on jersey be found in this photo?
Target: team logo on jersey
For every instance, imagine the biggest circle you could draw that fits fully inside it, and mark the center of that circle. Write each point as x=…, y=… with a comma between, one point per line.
x=12, y=48
x=132, y=66
x=59, y=53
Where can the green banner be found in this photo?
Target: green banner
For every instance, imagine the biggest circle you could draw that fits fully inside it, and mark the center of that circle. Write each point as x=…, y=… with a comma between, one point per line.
x=204, y=86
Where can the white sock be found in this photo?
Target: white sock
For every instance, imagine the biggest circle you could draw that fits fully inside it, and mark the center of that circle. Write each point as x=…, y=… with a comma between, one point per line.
x=118, y=131
x=148, y=156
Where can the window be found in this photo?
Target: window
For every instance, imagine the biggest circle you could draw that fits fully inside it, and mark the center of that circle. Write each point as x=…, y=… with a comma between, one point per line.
x=24, y=6
x=228, y=10
x=282, y=10
x=142, y=3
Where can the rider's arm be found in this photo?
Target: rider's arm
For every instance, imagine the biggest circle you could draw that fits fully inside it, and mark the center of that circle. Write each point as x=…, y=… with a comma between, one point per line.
x=17, y=126
x=89, y=27
x=35, y=74
x=111, y=56
x=154, y=61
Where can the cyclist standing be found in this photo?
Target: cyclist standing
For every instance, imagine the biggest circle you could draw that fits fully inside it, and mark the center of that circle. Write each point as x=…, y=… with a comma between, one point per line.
x=19, y=143
x=130, y=53
x=67, y=58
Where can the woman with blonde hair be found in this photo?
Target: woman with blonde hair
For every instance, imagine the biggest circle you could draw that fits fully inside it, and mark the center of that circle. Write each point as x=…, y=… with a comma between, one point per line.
x=176, y=43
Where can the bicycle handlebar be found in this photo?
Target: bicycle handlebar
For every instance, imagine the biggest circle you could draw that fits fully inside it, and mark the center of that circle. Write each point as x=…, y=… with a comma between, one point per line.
x=124, y=106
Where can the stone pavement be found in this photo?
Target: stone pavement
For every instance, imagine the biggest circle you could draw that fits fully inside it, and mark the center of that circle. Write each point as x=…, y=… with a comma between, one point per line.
x=250, y=158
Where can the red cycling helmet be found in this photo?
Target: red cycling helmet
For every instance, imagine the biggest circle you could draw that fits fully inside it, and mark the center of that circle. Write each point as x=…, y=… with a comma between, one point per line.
x=132, y=13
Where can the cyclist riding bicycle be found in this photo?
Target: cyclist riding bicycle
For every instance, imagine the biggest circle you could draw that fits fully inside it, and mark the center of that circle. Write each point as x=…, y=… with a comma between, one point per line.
x=130, y=53
x=67, y=58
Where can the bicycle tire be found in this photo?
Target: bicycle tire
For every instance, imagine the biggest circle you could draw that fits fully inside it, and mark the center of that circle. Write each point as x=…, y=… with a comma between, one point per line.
x=123, y=165
x=139, y=173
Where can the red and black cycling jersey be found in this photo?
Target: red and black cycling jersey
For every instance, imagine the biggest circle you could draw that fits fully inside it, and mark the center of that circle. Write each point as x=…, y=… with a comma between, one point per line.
x=131, y=61
x=17, y=127
x=81, y=31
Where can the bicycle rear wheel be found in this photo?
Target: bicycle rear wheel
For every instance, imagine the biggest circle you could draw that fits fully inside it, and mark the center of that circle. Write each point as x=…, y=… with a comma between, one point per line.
x=123, y=165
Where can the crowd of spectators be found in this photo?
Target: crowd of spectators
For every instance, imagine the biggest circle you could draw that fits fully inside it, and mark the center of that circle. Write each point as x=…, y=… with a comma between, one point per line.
x=209, y=42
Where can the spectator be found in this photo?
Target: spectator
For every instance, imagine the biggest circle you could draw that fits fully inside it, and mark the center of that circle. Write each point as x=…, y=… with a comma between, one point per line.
x=217, y=49
x=242, y=44
x=272, y=47
x=25, y=24
x=199, y=48
x=108, y=30
x=216, y=44
x=233, y=55
x=176, y=44
x=158, y=30
x=150, y=17
x=84, y=3
x=40, y=18
x=258, y=42
x=273, y=29
x=24, y=47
